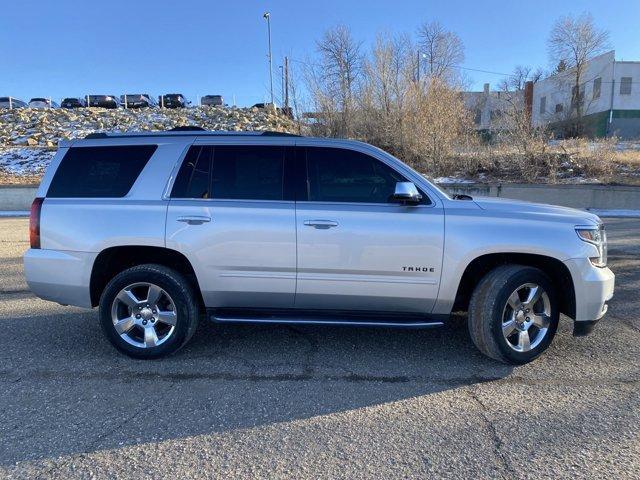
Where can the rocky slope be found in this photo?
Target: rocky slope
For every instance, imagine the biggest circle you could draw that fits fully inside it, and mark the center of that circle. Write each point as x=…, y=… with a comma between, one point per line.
x=28, y=137
x=44, y=128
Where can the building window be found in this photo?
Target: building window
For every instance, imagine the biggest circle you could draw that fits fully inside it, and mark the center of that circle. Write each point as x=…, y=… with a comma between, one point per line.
x=559, y=108
x=478, y=117
x=543, y=105
x=625, y=86
x=597, y=87
x=577, y=96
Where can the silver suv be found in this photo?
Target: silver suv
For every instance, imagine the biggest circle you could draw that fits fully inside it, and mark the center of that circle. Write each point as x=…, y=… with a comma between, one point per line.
x=159, y=230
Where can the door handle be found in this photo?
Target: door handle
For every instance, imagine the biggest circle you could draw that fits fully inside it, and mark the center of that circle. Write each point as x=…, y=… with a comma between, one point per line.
x=322, y=224
x=194, y=219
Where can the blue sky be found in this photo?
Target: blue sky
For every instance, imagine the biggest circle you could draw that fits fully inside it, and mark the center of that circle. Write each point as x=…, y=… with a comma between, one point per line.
x=71, y=48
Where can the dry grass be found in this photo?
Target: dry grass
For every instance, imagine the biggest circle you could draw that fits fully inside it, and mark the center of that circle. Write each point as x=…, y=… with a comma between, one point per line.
x=569, y=161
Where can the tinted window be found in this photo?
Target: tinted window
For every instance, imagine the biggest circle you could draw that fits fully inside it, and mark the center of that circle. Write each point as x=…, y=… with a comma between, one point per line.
x=253, y=173
x=99, y=171
x=193, y=179
x=338, y=175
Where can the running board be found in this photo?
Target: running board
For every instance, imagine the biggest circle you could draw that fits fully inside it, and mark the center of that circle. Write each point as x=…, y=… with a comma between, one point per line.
x=320, y=320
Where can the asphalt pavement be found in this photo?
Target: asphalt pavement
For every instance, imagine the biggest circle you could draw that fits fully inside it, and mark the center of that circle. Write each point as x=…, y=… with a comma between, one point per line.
x=315, y=402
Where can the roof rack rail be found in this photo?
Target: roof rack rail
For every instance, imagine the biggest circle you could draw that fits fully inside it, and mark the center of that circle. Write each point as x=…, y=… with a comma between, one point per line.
x=271, y=133
x=187, y=128
x=96, y=135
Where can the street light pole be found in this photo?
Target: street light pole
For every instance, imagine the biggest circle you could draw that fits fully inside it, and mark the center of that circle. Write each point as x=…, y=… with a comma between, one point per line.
x=281, y=68
x=267, y=16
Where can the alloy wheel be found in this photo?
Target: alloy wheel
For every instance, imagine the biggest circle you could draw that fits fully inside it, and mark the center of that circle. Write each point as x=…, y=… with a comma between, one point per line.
x=144, y=315
x=526, y=317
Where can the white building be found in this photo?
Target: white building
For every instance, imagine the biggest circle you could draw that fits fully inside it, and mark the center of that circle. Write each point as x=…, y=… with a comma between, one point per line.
x=609, y=96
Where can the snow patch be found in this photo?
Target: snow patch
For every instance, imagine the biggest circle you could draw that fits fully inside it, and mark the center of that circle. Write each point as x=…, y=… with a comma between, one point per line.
x=13, y=213
x=452, y=180
x=22, y=161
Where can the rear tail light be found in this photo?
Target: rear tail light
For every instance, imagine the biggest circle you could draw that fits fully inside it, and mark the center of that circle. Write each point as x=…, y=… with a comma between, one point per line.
x=34, y=222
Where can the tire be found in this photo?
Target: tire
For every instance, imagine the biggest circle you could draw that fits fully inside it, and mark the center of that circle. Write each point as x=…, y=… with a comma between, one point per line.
x=127, y=319
x=499, y=302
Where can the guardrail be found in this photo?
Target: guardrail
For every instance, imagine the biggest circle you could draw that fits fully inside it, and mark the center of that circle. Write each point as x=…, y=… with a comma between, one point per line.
x=604, y=197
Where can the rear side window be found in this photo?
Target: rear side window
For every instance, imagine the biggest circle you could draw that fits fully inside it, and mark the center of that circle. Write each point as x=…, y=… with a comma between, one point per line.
x=232, y=172
x=252, y=173
x=99, y=172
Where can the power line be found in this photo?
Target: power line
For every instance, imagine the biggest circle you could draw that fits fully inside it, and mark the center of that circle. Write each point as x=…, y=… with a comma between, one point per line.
x=435, y=63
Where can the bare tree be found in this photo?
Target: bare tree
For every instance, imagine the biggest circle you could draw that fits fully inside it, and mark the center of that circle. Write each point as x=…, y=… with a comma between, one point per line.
x=442, y=49
x=386, y=76
x=520, y=76
x=573, y=41
x=340, y=71
x=373, y=96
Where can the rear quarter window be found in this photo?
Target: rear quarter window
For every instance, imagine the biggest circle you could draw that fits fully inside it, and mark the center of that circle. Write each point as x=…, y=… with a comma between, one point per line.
x=99, y=172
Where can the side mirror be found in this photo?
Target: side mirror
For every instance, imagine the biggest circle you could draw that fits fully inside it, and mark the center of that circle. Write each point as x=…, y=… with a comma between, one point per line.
x=406, y=192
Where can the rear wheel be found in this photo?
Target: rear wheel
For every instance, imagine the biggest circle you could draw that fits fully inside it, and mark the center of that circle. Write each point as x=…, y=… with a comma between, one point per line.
x=513, y=314
x=148, y=311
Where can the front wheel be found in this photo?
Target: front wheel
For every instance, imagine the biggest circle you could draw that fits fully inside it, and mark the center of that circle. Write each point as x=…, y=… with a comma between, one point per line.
x=148, y=311
x=513, y=314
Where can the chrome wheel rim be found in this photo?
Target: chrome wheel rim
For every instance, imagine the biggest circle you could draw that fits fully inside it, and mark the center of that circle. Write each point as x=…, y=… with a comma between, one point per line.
x=526, y=317
x=144, y=315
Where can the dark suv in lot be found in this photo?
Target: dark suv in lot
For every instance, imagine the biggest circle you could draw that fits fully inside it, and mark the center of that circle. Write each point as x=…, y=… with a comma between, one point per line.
x=103, y=101
x=73, y=103
x=173, y=100
x=212, y=101
x=137, y=100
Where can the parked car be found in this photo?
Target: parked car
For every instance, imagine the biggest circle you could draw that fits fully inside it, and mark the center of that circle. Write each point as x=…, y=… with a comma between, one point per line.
x=73, y=102
x=265, y=228
x=262, y=106
x=42, y=103
x=137, y=100
x=286, y=111
x=173, y=100
x=103, y=101
x=10, y=102
x=212, y=101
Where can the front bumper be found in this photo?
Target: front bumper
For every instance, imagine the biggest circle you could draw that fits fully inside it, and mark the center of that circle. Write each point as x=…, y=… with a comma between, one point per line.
x=593, y=288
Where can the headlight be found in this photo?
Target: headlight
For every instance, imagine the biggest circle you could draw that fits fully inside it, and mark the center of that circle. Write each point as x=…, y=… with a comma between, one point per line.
x=596, y=236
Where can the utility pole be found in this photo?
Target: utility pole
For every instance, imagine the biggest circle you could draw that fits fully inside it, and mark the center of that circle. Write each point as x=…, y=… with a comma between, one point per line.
x=281, y=68
x=418, y=71
x=286, y=82
x=267, y=16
